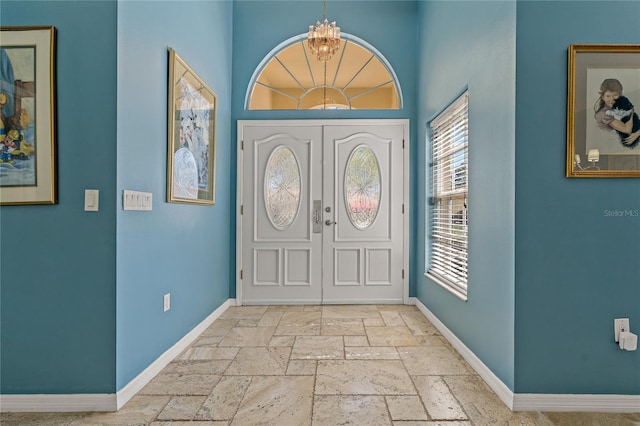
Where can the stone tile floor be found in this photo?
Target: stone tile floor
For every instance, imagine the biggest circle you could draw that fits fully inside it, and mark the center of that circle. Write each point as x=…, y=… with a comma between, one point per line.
x=322, y=366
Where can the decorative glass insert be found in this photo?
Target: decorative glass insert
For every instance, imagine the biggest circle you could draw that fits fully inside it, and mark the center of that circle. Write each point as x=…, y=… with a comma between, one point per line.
x=282, y=184
x=362, y=187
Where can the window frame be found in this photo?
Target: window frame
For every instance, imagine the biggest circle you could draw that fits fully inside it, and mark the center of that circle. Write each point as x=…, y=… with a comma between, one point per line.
x=447, y=227
x=346, y=37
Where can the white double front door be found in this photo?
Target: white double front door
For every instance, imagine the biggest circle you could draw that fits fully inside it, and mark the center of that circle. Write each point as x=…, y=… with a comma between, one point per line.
x=322, y=212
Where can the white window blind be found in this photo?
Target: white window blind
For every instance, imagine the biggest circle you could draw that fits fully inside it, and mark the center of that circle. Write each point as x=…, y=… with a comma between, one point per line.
x=449, y=174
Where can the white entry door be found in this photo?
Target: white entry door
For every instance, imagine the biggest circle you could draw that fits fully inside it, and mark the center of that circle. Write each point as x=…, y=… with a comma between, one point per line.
x=322, y=212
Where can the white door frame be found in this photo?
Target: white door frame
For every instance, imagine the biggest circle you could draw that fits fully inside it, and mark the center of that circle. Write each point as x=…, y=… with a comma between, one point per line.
x=342, y=122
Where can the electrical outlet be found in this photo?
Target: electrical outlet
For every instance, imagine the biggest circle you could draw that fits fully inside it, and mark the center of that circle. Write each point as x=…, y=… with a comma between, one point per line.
x=620, y=324
x=167, y=303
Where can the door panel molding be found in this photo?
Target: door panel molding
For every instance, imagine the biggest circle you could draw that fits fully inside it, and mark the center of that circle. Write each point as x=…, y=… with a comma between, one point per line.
x=297, y=268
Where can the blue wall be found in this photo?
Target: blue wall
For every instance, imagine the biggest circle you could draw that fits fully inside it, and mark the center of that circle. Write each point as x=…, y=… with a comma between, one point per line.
x=576, y=268
x=58, y=279
x=82, y=297
x=472, y=45
x=175, y=248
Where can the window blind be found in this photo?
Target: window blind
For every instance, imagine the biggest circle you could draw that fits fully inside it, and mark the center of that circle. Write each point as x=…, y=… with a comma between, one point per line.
x=449, y=174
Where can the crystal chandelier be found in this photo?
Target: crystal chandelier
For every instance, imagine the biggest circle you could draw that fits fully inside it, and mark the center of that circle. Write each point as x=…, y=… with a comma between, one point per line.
x=324, y=38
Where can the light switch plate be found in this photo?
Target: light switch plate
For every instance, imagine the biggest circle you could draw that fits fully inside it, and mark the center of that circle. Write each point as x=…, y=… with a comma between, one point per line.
x=136, y=200
x=91, y=200
x=166, y=302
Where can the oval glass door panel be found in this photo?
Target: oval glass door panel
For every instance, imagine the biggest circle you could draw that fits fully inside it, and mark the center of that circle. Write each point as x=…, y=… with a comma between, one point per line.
x=282, y=187
x=362, y=187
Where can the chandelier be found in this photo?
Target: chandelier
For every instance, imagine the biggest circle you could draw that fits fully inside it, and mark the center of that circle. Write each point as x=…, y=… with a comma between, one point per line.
x=324, y=38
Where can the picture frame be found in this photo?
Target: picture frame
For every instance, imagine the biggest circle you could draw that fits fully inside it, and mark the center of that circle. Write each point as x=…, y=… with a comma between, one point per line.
x=191, y=136
x=603, y=128
x=28, y=173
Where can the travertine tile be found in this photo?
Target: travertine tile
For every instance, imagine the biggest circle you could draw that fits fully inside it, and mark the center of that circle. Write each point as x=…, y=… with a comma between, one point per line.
x=243, y=313
x=360, y=377
x=282, y=341
x=299, y=324
x=530, y=419
x=437, y=399
x=397, y=308
x=181, y=408
x=432, y=361
x=220, y=327
x=373, y=322
x=479, y=402
x=318, y=347
x=392, y=319
x=407, y=407
x=216, y=366
x=208, y=341
x=431, y=423
x=356, y=341
x=402, y=372
x=270, y=319
x=430, y=340
x=342, y=327
x=285, y=308
x=300, y=318
x=276, y=400
x=350, y=311
x=181, y=384
x=312, y=308
x=418, y=324
x=225, y=399
x=248, y=337
x=204, y=353
x=259, y=361
x=138, y=408
x=251, y=322
x=301, y=368
x=371, y=352
x=390, y=336
x=191, y=423
x=350, y=410
x=39, y=419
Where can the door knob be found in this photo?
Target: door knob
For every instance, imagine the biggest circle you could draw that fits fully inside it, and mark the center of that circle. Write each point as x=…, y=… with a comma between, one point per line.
x=329, y=222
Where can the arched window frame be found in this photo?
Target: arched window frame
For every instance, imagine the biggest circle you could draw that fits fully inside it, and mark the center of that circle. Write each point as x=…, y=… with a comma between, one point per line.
x=302, y=37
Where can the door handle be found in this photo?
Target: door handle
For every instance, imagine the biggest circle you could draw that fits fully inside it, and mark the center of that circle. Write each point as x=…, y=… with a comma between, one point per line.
x=329, y=222
x=317, y=216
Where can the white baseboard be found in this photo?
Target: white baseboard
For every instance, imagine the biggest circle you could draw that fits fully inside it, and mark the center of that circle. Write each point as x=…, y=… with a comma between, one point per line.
x=498, y=386
x=581, y=403
x=533, y=402
x=58, y=403
x=107, y=402
x=140, y=381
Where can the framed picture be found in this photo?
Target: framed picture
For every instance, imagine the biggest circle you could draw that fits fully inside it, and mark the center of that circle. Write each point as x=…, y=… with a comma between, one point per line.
x=27, y=116
x=192, y=136
x=603, y=103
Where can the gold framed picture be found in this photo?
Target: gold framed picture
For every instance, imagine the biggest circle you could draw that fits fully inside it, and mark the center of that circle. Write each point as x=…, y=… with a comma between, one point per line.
x=603, y=102
x=191, y=136
x=28, y=172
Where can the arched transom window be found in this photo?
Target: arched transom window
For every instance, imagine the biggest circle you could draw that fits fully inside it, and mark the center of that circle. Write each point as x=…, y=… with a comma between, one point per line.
x=356, y=77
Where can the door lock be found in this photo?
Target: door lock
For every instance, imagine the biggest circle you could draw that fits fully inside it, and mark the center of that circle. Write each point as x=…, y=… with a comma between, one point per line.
x=317, y=213
x=329, y=222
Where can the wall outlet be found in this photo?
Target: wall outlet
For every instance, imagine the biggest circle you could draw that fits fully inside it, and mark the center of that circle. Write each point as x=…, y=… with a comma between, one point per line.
x=620, y=324
x=167, y=303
